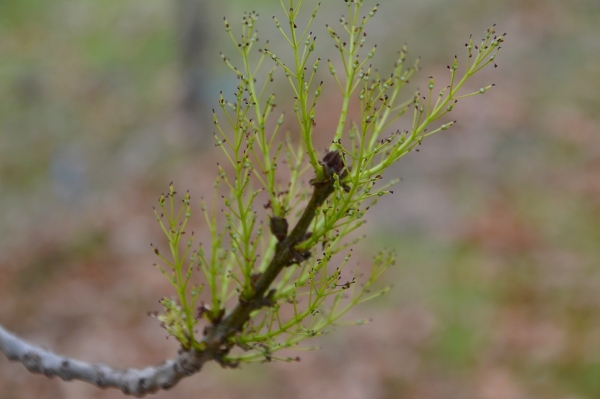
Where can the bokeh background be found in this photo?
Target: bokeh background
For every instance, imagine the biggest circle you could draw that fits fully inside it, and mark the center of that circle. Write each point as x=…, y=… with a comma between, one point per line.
x=496, y=222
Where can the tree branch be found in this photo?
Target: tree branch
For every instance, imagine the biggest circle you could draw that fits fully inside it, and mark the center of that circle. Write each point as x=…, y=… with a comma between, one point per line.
x=216, y=343
x=135, y=382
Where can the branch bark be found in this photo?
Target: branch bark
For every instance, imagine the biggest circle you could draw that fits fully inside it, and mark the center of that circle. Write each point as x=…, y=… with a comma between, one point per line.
x=135, y=382
x=216, y=343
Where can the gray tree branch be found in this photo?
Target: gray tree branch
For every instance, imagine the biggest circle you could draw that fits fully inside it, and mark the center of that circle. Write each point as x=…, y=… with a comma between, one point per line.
x=135, y=382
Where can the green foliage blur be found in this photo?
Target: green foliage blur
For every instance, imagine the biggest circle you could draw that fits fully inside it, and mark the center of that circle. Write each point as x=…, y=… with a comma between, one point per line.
x=496, y=222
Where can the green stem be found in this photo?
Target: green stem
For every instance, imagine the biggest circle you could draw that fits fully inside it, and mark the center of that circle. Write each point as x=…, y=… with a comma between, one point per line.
x=284, y=254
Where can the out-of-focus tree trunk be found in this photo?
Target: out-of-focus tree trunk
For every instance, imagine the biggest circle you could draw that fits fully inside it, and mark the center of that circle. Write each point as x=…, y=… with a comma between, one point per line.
x=193, y=25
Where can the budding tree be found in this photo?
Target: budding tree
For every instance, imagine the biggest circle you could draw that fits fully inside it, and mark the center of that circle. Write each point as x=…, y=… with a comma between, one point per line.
x=274, y=272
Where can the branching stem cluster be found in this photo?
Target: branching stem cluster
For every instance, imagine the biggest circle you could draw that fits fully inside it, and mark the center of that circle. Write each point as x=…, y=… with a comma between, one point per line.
x=258, y=285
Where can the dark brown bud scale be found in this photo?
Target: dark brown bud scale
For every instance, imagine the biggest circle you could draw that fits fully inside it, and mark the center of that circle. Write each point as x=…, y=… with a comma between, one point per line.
x=333, y=162
x=279, y=227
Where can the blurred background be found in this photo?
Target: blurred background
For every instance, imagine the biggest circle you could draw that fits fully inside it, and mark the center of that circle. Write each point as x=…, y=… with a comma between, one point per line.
x=496, y=222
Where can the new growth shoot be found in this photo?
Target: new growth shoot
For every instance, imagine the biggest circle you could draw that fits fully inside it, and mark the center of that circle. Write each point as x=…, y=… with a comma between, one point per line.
x=276, y=268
